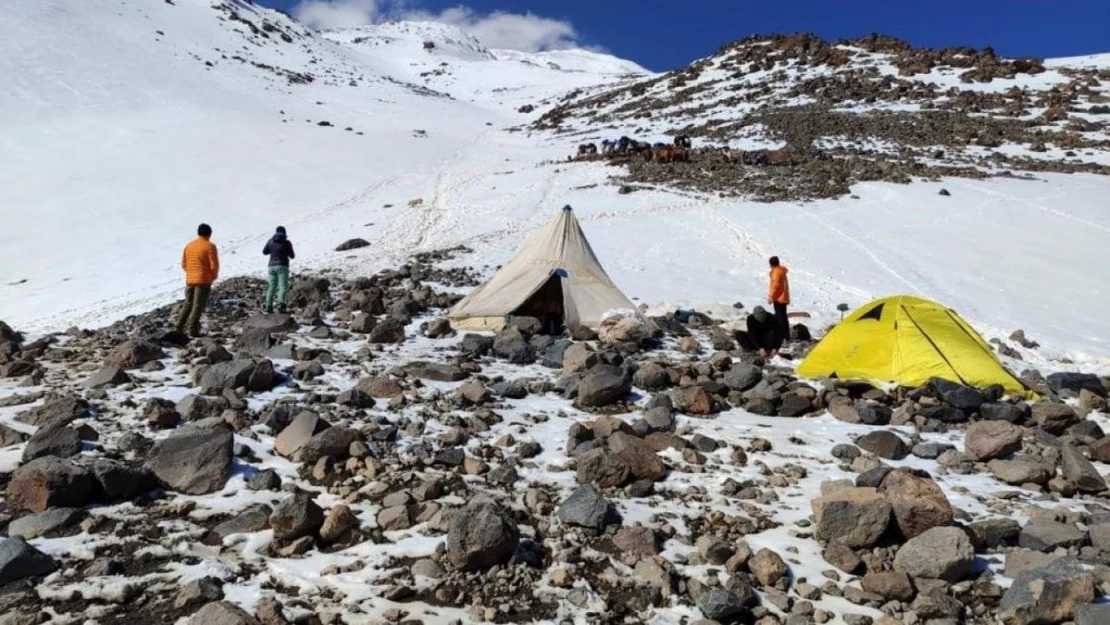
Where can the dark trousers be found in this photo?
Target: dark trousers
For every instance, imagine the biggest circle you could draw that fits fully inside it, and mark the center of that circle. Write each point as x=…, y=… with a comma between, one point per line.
x=196, y=300
x=783, y=321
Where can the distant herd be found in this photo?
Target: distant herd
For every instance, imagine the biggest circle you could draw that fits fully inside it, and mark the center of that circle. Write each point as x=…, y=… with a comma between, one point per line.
x=680, y=150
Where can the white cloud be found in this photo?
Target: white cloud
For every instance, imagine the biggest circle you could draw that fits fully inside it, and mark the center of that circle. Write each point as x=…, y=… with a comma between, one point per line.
x=324, y=14
x=526, y=32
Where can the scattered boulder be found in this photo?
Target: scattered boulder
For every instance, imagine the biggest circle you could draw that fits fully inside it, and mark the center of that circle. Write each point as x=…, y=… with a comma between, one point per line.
x=1076, y=382
x=693, y=400
x=586, y=507
x=297, y=434
x=272, y=322
x=601, y=386
x=987, y=440
x=296, y=517
x=42, y=523
x=108, y=376
x=1054, y=418
x=133, y=354
x=853, y=517
x=49, y=482
x=939, y=553
x=1047, y=535
x=55, y=412
x=641, y=460
x=194, y=461
x=352, y=244
x=1078, y=471
x=742, y=376
x=719, y=605
x=19, y=560
x=1018, y=472
x=481, y=535
x=62, y=442
x=917, y=502
x=767, y=567
x=255, y=518
x=388, y=330
x=884, y=444
x=257, y=376
x=890, y=585
x=512, y=345
x=1050, y=594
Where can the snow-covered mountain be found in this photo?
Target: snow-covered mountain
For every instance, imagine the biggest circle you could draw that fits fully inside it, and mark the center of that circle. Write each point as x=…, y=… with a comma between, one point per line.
x=129, y=124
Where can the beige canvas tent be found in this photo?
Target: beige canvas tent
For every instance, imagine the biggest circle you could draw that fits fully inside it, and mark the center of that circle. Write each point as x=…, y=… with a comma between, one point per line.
x=556, y=272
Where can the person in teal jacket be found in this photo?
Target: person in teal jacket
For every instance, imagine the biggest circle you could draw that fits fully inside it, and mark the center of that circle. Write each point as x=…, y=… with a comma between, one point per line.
x=280, y=250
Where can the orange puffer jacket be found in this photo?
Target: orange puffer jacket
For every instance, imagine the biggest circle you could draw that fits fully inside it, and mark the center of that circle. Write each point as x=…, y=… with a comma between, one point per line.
x=779, y=292
x=200, y=262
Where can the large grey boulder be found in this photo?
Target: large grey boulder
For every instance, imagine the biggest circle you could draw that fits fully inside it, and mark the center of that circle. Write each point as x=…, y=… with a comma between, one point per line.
x=19, y=560
x=602, y=467
x=481, y=535
x=853, y=517
x=49, y=482
x=1018, y=472
x=55, y=412
x=194, y=461
x=297, y=434
x=918, y=503
x=231, y=374
x=987, y=440
x=253, y=519
x=1047, y=535
x=1080, y=472
x=42, y=523
x=513, y=346
x=255, y=342
x=601, y=386
x=940, y=553
x=884, y=444
x=743, y=376
x=334, y=442
x=62, y=442
x=295, y=517
x=108, y=376
x=1076, y=382
x=133, y=354
x=1054, y=418
x=388, y=330
x=1047, y=595
x=586, y=507
x=272, y=322
x=718, y=604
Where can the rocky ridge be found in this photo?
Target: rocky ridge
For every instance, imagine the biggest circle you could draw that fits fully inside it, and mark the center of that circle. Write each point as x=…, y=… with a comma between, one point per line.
x=874, y=108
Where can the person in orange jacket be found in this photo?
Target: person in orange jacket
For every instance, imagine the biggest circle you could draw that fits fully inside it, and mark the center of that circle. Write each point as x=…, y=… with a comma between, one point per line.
x=201, y=264
x=778, y=295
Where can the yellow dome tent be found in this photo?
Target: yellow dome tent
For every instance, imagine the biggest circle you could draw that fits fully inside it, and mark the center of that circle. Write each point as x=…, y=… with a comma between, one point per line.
x=907, y=340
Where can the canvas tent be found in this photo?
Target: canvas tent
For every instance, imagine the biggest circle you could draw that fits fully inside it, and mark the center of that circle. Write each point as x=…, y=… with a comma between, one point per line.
x=556, y=271
x=907, y=340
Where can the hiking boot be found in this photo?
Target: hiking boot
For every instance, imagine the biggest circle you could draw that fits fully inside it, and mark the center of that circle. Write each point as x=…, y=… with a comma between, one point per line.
x=282, y=310
x=269, y=310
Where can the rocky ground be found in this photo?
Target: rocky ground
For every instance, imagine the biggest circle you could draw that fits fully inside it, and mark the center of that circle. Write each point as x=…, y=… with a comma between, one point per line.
x=359, y=462
x=876, y=107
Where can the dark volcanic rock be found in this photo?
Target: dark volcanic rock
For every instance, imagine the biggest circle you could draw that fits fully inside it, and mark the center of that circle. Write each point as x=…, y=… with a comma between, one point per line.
x=55, y=412
x=884, y=444
x=295, y=517
x=481, y=535
x=586, y=507
x=601, y=386
x=133, y=354
x=62, y=442
x=192, y=460
x=49, y=482
x=19, y=560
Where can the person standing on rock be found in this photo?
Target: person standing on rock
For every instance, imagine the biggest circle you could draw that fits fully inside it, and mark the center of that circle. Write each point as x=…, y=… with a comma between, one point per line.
x=201, y=264
x=778, y=295
x=280, y=250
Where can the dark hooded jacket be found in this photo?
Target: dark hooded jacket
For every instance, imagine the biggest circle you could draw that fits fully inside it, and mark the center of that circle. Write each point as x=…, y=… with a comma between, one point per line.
x=280, y=249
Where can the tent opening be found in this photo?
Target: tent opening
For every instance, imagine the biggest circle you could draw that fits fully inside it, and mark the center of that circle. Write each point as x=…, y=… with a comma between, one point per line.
x=547, y=304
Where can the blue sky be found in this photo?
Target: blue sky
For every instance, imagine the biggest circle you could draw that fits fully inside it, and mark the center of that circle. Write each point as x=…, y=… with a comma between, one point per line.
x=665, y=34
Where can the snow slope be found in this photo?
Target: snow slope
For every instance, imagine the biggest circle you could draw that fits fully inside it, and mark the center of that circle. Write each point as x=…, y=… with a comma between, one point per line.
x=123, y=139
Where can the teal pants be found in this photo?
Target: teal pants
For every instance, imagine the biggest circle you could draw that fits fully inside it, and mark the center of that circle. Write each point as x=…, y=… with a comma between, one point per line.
x=279, y=285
